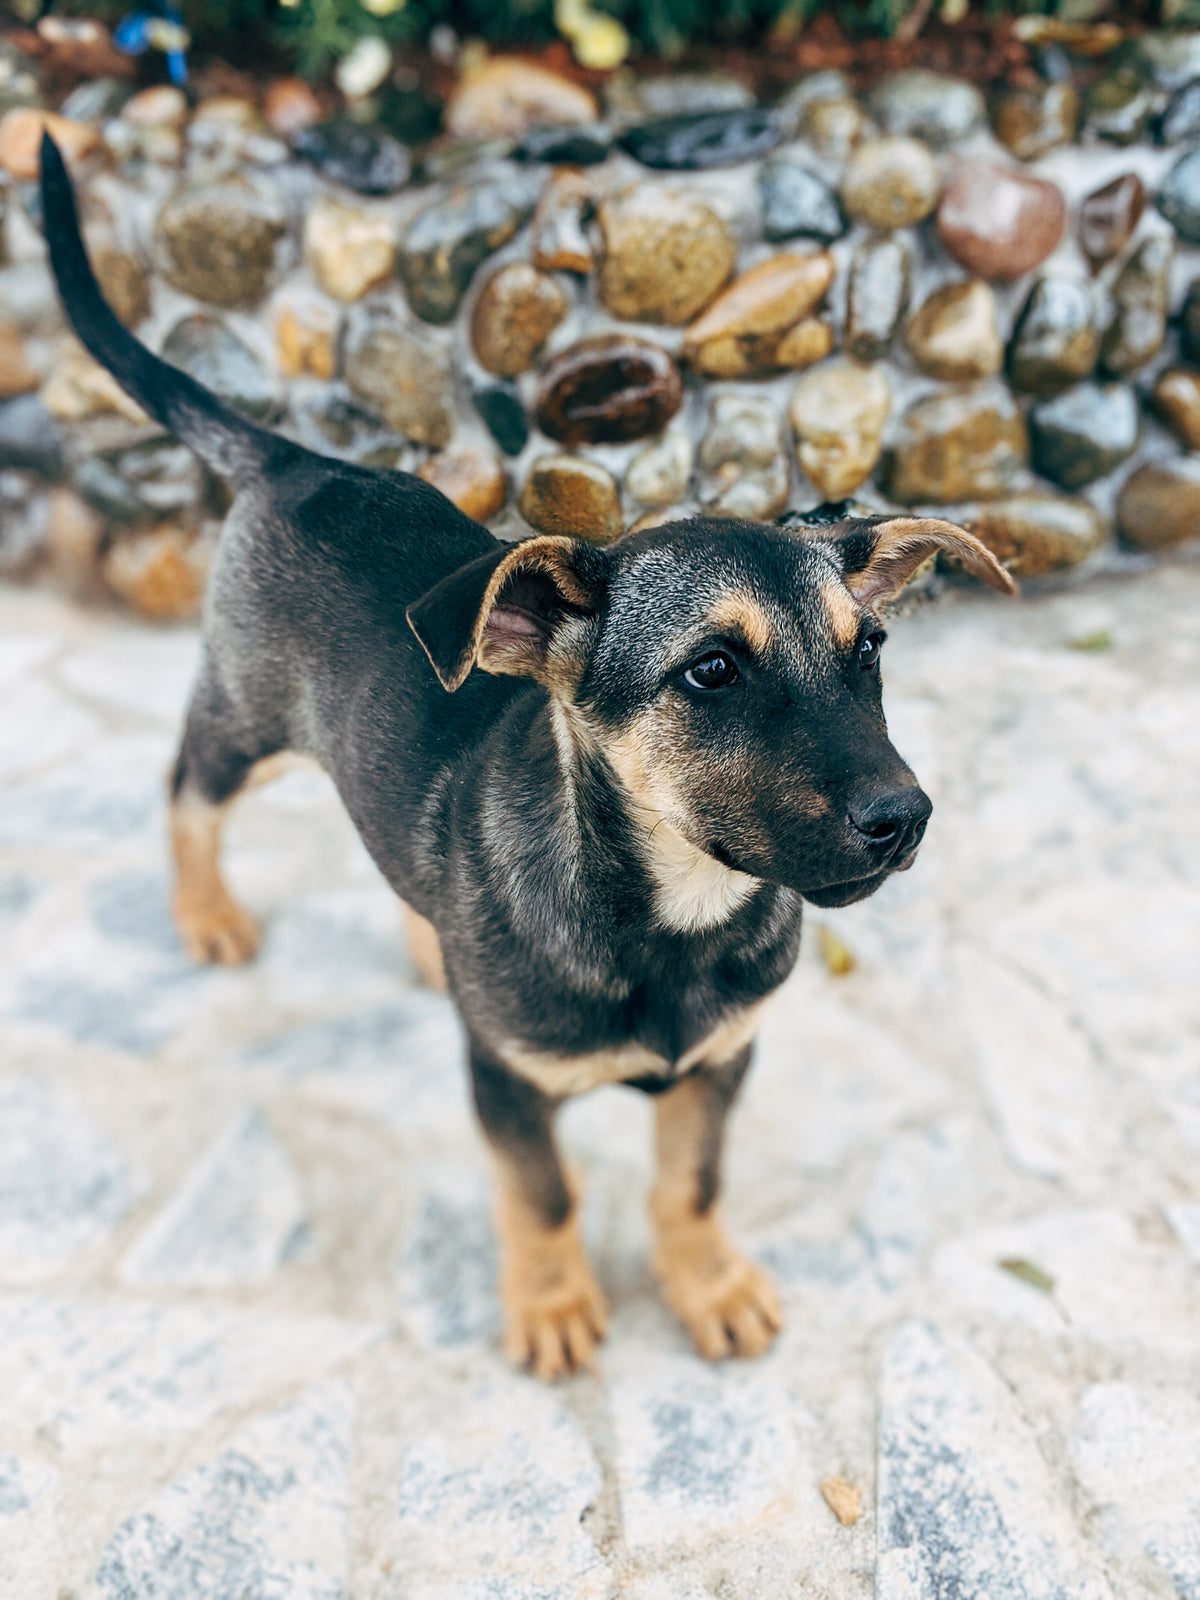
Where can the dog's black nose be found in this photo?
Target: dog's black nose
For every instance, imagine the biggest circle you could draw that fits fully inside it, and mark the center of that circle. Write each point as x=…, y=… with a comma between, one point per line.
x=891, y=824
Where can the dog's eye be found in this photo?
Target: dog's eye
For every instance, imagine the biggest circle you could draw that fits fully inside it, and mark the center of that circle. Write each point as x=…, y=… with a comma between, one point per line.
x=716, y=671
x=868, y=651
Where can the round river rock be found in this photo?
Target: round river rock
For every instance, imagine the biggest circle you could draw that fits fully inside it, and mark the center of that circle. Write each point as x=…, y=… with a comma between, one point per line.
x=450, y=238
x=1083, y=434
x=966, y=445
x=666, y=254
x=208, y=351
x=693, y=142
x=877, y=294
x=217, y=242
x=1000, y=223
x=401, y=374
x=569, y=495
x=1055, y=342
x=1033, y=534
x=608, y=389
x=837, y=413
x=1159, y=504
x=798, y=204
x=954, y=335
x=742, y=458
x=890, y=183
x=759, y=322
x=1177, y=401
x=1108, y=216
x=517, y=310
x=1179, y=197
x=927, y=105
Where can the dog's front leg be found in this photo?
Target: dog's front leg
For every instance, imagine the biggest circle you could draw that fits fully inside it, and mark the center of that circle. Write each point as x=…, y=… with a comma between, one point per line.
x=727, y=1304
x=554, y=1312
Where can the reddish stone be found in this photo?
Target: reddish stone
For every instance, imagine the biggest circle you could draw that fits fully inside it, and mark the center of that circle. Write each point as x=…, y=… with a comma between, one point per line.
x=77, y=47
x=16, y=374
x=1108, y=216
x=21, y=141
x=160, y=572
x=290, y=105
x=1000, y=223
x=605, y=390
x=471, y=478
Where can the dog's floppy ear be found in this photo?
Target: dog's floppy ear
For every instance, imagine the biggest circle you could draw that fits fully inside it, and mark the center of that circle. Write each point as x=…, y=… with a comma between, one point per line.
x=880, y=554
x=511, y=610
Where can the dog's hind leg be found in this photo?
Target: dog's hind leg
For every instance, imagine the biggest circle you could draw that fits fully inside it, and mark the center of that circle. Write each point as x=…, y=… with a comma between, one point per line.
x=424, y=948
x=209, y=773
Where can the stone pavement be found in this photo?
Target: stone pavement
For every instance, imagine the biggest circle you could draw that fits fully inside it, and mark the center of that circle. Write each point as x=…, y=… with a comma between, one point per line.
x=248, y=1340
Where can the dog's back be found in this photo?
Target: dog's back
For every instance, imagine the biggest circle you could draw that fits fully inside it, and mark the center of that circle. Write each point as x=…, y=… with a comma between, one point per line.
x=317, y=562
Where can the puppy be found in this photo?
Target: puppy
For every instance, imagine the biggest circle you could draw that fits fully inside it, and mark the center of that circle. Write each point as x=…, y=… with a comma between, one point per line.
x=603, y=779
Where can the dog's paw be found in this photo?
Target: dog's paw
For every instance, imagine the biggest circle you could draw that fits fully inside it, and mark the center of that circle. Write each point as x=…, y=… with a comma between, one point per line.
x=554, y=1331
x=732, y=1312
x=217, y=931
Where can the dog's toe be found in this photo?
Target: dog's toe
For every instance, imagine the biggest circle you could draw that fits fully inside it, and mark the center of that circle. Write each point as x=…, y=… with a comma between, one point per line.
x=734, y=1314
x=220, y=932
x=558, y=1335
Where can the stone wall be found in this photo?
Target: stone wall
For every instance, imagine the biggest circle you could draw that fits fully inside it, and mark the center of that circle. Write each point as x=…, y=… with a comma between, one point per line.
x=580, y=313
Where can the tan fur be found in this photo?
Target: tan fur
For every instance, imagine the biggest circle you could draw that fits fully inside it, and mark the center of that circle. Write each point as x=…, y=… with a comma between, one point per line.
x=810, y=803
x=275, y=767
x=902, y=543
x=554, y=1312
x=845, y=615
x=213, y=927
x=559, y=1075
x=424, y=948
x=741, y=613
x=728, y=1305
x=693, y=890
x=550, y=554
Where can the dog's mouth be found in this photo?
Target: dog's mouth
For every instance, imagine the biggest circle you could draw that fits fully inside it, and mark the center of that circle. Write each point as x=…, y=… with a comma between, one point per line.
x=828, y=896
x=831, y=895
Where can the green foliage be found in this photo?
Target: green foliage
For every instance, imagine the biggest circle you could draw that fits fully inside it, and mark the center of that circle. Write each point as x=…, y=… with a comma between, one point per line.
x=316, y=33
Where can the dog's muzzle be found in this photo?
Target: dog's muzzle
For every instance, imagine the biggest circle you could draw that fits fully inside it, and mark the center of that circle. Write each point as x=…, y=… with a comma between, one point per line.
x=889, y=826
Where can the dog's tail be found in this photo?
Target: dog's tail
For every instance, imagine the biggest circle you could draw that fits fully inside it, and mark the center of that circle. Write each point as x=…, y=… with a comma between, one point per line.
x=231, y=446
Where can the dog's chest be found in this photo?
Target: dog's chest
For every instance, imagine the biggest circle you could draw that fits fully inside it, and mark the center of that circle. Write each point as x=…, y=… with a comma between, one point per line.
x=569, y=1072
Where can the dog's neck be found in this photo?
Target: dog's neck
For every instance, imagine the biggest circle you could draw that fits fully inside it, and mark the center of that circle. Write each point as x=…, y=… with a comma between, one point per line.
x=692, y=891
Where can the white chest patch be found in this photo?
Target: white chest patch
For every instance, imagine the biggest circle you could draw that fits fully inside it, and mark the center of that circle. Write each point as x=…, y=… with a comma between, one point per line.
x=692, y=890
x=560, y=1075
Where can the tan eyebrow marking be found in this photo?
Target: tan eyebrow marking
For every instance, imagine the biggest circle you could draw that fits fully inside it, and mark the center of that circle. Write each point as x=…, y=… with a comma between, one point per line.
x=845, y=614
x=741, y=611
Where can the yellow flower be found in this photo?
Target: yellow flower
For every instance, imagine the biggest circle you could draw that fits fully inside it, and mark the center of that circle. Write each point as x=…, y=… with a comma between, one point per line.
x=570, y=16
x=383, y=8
x=600, y=42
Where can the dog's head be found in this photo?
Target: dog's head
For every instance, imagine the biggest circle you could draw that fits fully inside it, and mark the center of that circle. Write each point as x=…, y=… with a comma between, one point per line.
x=729, y=675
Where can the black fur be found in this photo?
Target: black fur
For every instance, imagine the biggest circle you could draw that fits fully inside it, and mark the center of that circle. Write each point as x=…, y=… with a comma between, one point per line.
x=505, y=812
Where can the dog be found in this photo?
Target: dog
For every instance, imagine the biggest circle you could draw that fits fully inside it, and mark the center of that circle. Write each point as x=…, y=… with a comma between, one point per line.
x=602, y=779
